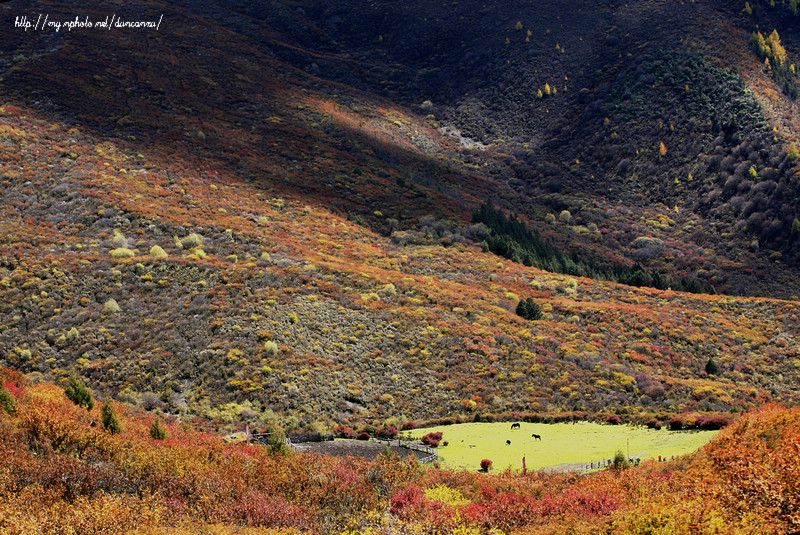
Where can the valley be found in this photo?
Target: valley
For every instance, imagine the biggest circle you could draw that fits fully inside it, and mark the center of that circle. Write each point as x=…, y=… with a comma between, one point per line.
x=300, y=215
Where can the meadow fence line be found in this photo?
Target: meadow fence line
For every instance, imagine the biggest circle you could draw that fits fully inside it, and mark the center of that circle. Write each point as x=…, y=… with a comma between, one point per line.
x=431, y=455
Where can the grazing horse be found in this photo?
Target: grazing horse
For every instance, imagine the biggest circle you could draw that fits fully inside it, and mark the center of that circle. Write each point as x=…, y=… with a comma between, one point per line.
x=508, y=442
x=537, y=437
x=515, y=425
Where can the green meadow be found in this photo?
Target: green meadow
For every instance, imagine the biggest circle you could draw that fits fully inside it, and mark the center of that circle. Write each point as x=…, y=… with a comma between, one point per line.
x=561, y=444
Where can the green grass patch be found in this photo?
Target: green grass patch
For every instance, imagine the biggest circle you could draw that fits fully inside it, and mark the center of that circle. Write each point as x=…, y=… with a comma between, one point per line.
x=561, y=444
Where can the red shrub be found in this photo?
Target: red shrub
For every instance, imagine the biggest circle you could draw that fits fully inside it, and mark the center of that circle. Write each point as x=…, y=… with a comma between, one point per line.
x=256, y=509
x=363, y=436
x=408, y=426
x=344, y=431
x=485, y=465
x=408, y=501
x=675, y=423
x=712, y=423
x=505, y=510
x=387, y=432
x=613, y=420
x=432, y=439
x=14, y=382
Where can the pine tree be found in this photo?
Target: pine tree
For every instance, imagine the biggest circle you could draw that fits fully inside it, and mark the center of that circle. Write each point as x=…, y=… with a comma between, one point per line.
x=78, y=393
x=528, y=309
x=7, y=400
x=157, y=430
x=110, y=421
x=711, y=367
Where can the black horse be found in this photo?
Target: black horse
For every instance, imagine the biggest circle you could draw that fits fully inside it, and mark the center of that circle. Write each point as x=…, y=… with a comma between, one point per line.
x=537, y=437
x=508, y=442
x=515, y=425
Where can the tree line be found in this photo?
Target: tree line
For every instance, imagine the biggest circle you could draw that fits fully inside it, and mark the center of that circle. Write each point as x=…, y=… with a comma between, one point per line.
x=514, y=240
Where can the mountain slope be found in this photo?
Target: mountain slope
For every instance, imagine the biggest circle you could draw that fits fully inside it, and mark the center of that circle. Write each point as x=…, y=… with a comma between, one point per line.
x=280, y=306
x=200, y=219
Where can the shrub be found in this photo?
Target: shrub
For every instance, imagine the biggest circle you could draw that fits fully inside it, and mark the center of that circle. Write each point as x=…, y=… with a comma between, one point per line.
x=653, y=424
x=157, y=430
x=271, y=347
x=78, y=393
x=189, y=242
x=620, y=462
x=121, y=252
x=407, y=501
x=675, y=423
x=613, y=420
x=363, y=436
x=389, y=432
x=111, y=307
x=711, y=367
x=485, y=465
x=409, y=426
x=119, y=239
x=793, y=153
x=432, y=439
x=109, y=418
x=712, y=423
x=157, y=252
x=277, y=441
x=344, y=431
x=72, y=335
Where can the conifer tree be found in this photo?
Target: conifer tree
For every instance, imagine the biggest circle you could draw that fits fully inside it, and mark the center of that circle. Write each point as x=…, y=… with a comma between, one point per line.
x=528, y=309
x=157, y=430
x=711, y=367
x=110, y=421
x=7, y=400
x=78, y=393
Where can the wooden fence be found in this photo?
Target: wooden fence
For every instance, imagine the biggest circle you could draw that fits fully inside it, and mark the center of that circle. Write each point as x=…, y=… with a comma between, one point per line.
x=431, y=455
x=605, y=463
x=264, y=438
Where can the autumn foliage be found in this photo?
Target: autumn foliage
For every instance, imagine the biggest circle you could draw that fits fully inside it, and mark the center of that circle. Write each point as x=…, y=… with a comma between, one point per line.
x=59, y=472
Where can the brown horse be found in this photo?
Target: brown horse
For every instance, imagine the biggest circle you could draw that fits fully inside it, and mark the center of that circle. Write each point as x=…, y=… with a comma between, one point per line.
x=515, y=425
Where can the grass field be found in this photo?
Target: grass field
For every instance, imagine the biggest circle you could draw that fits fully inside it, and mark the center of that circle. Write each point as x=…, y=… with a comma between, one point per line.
x=561, y=444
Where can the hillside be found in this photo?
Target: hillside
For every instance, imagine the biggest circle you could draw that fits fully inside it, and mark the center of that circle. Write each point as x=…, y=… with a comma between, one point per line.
x=62, y=472
x=253, y=214
x=414, y=109
x=280, y=307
